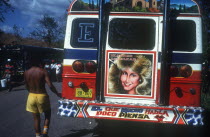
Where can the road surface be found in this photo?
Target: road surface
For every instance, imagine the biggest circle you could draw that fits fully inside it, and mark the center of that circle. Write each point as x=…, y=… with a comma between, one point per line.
x=16, y=122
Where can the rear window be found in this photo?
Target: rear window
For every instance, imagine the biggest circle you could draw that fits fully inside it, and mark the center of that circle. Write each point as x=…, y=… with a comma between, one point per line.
x=84, y=33
x=132, y=34
x=183, y=35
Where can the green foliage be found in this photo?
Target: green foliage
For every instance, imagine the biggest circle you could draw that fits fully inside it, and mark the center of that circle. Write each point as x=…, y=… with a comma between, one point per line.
x=82, y=6
x=48, y=31
x=137, y=8
x=193, y=9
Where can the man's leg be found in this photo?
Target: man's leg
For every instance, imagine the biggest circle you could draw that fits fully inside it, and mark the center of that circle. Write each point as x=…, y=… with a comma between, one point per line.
x=10, y=86
x=46, y=122
x=37, y=124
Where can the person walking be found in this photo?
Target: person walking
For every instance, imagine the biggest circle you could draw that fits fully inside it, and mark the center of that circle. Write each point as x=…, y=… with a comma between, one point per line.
x=9, y=73
x=38, y=100
x=58, y=72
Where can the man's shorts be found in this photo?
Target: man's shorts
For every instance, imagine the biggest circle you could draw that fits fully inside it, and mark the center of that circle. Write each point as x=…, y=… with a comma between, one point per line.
x=38, y=103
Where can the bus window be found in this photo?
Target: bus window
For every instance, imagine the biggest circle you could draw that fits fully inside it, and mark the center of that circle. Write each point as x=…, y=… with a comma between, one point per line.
x=84, y=33
x=132, y=34
x=183, y=35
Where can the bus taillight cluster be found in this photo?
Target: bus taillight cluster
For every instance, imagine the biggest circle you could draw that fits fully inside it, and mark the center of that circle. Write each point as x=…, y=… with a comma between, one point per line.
x=83, y=66
x=180, y=71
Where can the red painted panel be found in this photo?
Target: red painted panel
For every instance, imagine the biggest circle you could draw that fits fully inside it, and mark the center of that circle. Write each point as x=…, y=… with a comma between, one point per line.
x=184, y=97
x=77, y=79
x=69, y=93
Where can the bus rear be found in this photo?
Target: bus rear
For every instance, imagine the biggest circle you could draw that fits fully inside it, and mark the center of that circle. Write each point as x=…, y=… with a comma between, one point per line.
x=137, y=60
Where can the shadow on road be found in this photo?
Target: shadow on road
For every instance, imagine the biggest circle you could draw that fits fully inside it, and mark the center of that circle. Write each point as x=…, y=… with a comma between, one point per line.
x=111, y=128
x=114, y=128
x=79, y=133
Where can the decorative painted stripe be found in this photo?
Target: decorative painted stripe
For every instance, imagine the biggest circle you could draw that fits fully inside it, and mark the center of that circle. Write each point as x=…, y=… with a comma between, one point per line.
x=193, y=117
x=178, y=116
x=83, y=13
x=83, y=110
x=69, y=109
x=134, y=14
x=132, y=112
x=80, y=54
x=190, y=58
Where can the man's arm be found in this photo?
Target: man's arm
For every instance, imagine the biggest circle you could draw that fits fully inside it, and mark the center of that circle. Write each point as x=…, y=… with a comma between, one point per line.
x=49, y=83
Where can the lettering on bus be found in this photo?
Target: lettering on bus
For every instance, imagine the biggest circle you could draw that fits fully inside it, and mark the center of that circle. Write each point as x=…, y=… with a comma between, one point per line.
x=132, y=113
x=107, y=111
x=85, y=34
x=135, y=113
x=157, y=112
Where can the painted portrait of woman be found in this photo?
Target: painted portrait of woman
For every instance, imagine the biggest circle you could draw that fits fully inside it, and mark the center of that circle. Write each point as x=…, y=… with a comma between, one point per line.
x=130, y=74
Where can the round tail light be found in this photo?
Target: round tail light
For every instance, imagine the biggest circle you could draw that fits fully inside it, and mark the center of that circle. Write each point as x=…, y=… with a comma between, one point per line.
x=186, y=71
x=90, y=66
x=174, y=71
x=78, y=66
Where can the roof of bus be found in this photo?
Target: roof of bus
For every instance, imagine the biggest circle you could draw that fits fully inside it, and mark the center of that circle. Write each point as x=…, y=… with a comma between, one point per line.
x=151, y=6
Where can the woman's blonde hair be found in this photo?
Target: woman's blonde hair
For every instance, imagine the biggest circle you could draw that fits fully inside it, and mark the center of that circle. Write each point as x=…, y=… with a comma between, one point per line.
x=139, y=64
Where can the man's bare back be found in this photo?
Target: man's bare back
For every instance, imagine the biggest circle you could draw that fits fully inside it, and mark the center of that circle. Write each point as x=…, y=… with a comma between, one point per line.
x=35, y=79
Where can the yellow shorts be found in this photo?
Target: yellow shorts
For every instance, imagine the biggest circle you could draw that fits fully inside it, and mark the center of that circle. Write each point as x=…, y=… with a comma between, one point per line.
x=38, y=103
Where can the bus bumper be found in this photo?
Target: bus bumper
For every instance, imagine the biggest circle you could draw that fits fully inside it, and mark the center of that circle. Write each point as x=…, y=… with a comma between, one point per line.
x=131, y=112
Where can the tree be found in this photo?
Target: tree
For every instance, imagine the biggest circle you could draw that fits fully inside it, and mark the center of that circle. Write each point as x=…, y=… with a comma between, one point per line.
x=48, y=31
x=5, y=7
x=17, y=33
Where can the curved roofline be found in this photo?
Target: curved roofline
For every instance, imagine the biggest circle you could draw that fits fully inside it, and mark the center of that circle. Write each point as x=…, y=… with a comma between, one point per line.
x=199, y=9
x=194, y=1
x=71, y=4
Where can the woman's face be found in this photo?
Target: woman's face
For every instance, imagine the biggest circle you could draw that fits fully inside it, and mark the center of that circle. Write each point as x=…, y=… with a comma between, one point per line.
x=129, y=79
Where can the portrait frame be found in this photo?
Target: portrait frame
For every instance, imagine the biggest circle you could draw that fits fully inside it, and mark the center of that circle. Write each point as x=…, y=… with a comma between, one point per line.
x=112, y=57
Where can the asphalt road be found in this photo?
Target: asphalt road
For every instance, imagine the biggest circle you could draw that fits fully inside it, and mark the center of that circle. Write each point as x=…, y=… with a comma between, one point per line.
x=16, y=122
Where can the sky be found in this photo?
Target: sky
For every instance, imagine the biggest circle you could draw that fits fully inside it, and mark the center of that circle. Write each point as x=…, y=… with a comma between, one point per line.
x=184, y=2
x=28, y=12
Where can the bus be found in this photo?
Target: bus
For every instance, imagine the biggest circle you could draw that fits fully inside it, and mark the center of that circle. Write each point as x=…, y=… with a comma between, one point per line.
x=135, y=60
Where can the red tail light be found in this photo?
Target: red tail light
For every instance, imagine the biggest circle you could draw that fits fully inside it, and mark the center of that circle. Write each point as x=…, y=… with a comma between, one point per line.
x=84, y=66
x=185, y=71
x=90, y=66
x=78, y=66
x=174, y=71
x=180, y=70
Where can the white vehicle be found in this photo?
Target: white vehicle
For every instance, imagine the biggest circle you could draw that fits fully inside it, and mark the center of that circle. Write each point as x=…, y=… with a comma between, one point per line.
x=137, y=60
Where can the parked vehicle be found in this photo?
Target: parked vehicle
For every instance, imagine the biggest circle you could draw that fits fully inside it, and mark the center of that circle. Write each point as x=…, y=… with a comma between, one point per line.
x=137, y=60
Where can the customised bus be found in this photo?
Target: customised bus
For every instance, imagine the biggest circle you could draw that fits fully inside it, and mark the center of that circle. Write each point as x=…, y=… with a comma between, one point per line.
x=137, y=60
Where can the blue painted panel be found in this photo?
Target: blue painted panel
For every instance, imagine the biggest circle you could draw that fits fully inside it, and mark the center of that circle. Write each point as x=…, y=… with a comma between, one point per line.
x=80, y=54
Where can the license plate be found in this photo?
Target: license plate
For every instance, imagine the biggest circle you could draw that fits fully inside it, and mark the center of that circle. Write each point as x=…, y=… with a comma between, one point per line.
x=81, y=93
